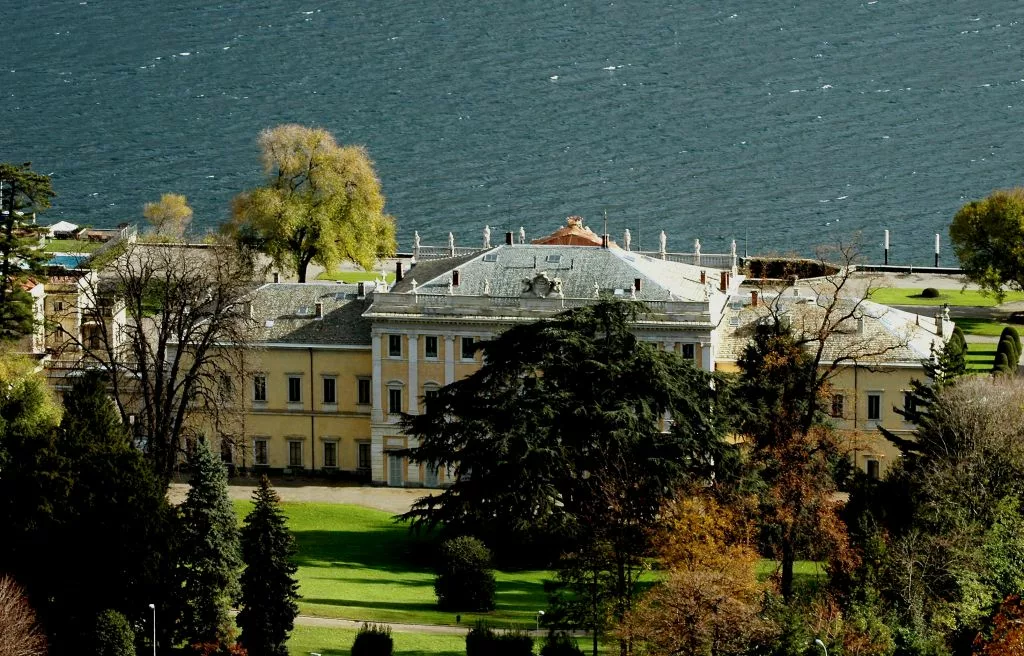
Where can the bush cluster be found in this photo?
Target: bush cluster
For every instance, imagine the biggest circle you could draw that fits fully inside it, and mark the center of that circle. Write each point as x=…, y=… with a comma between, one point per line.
x=464, y=579
x=373, y=640
x=484, y=641
x=560, y=644
x=929, y=292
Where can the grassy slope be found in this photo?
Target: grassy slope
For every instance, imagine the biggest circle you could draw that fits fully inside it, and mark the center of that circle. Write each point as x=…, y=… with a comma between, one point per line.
x=356, y=563
x=909, y=296
x=354, y=276
x=71, y=246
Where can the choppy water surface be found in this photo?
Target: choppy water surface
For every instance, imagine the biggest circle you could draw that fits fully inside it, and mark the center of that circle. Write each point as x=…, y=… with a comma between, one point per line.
x=791, y=123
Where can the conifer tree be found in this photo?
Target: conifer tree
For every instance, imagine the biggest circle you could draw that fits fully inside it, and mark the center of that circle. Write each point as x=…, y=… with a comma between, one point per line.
x=211, y=557
x=269, y=588
x=23, y=192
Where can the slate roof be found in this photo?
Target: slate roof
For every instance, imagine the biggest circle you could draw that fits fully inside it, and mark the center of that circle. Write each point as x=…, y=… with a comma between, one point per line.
x=888, y=336
x=284, y=313
x=580, y=268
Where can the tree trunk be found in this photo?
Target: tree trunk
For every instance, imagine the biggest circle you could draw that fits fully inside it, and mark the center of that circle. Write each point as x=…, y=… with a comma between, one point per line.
x=788, y=557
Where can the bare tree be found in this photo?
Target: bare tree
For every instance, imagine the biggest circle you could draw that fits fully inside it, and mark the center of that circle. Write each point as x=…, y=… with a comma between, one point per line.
x=831, y=319
x=20, y=634
x=169, y=326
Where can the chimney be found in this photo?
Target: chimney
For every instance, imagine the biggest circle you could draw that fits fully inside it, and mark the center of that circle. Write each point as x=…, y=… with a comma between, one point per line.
x=703, y=277
x=398, y=272
x=277, y=277
x=860, y=325
x=753, y=298
x=604, y=241
x=361, y=293
x=723, y=281
x=940, y=329
x=638, y=284
x=455, y=278
x=508, y=239
x=319, y=311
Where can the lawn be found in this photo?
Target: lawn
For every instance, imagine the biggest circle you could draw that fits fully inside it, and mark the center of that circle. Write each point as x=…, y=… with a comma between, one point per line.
x=71, y=246
x=980, y=356
x=988, y=327
x=337, y=642
x=355, y=276
x=910, y=296
x=356, y=563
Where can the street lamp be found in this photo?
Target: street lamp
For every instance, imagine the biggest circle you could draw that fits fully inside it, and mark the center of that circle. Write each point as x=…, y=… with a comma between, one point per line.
x=540, y=614
x=821, y=644
x=153, y=608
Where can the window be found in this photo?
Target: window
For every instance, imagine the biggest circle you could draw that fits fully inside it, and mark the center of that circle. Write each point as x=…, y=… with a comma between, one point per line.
x=468, y=348
x=873, y=469
x=294, y=453
x=225, y=451
x=363, y=391
x=330, y=454
x=430, y=391
x=363, y=455
x=874, y=407
x=909, y=404
x=330, y=390
x=294, y=389
x=58, y=306
x=689, y=352
x=259, y=389
x=394, y=400
x=430, y=347
x=837, y=405
x=395, y=346
x=259, y=453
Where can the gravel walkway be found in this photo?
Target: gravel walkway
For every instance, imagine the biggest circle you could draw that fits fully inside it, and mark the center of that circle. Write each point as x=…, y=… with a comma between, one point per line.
x=389, y=499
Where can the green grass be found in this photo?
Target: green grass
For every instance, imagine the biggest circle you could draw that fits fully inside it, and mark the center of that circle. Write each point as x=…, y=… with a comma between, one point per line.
x=71, y=246
x=980, y=356
x=355, y=276
x=987, y=327
x=969, y=297
x=337, y=642
x=356, y=563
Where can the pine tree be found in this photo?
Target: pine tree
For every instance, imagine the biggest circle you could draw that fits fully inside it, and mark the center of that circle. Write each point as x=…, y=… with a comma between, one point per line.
x=23, y=192
x=210, y=554
x=269, y=589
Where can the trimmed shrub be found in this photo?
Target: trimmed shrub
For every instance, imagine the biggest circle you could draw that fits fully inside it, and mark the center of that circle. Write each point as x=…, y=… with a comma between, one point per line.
x=514, y=642
x=464, y=579
x=1001, y=363
x=373, y=640
x=1011, y=333
x=929, y=292
x=480, y=640
x=560, y=644
x=483, y=641
x=114, y=636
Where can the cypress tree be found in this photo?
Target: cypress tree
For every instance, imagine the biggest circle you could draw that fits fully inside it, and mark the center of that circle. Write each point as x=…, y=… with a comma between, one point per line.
x=23, y=192
x=1010, y=333
x=210, y=554
x=269, y=588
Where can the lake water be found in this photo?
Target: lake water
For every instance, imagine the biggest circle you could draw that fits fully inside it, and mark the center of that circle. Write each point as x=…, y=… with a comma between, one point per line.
x=790, y=124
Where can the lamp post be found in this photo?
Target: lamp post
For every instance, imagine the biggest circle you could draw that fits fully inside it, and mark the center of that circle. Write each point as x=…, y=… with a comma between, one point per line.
x=821, y=644
x=540, y=614
x=152, y=607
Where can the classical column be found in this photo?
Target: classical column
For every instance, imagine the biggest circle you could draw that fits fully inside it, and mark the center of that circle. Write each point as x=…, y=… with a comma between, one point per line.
x=412, y=380
x=378, y=466
x=449, y=359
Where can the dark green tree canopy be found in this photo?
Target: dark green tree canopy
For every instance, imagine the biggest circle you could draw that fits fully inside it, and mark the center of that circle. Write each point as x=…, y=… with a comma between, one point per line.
x=211, y=558
x=23, y=193
x=269, y=588
x=987, y=237
x=564, y=412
